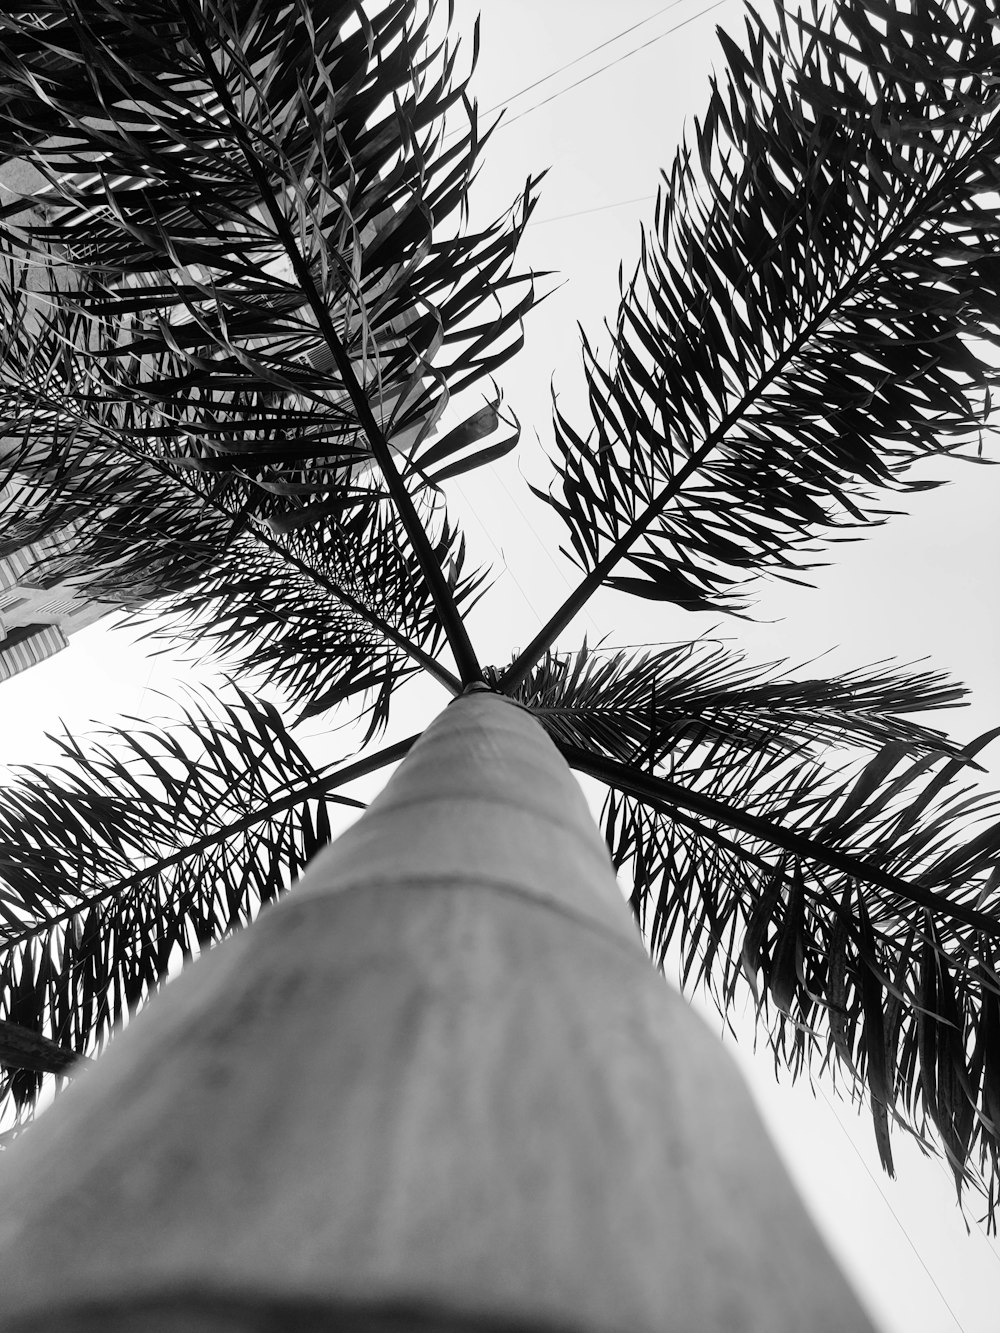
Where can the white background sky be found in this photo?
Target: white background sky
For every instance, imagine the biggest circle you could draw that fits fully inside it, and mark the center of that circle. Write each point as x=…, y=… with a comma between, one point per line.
x=922, y=587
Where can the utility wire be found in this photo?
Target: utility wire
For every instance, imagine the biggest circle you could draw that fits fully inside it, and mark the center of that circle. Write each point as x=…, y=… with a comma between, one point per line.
x=570, y=63
x=505, y=124
x=599, y=208
x=502, y=105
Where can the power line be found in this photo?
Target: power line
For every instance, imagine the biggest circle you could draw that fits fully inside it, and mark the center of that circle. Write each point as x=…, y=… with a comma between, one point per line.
x=600, y=208
x=570, y=63
x=502, y=105
x=505, y=124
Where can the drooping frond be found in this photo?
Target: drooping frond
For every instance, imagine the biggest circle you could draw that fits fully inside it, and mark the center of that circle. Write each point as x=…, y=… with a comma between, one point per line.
x=803, y=324
x=861, y=905
x=806, y=837
x=139, y=848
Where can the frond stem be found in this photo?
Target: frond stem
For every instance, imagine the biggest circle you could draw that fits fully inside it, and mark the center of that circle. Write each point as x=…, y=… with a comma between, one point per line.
x=360, y=768
x=662, y=790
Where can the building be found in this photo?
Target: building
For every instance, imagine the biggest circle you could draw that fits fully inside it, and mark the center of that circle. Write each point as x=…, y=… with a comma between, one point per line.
x=37, y=615
x=38, y=612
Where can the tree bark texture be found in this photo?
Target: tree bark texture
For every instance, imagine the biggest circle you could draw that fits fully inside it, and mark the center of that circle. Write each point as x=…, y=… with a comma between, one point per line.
x=440, y=1084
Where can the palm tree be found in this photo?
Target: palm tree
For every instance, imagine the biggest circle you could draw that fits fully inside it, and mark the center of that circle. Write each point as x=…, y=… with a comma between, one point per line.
x=806, y=323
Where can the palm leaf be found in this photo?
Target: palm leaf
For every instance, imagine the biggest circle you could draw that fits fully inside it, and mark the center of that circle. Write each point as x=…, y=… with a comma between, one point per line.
x=641, y=709
x=347, y=125
x=801, y=329
x=861, y=903
x=244, y=227
x=323, y=617
x=130, y=530
x=139, y=848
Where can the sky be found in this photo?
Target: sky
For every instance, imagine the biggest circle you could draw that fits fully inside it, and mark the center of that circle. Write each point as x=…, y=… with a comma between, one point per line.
x=604, y=122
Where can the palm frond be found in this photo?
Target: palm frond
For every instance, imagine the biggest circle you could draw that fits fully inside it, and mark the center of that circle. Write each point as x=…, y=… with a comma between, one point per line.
x=643, y=709
x=141, y=847
x=240, y=262
x=860, y=904
x=130, y=529
x=153, y=219
x=802, y=325
x=323, y=616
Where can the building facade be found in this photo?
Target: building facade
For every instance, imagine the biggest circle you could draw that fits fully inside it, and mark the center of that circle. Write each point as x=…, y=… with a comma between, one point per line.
x=38, y=612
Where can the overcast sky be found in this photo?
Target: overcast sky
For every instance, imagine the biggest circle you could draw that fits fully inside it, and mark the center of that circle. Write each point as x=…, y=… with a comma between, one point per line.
x=922, y=587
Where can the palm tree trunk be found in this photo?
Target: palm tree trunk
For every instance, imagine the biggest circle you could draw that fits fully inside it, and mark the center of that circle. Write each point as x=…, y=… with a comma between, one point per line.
x=438, y=1083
